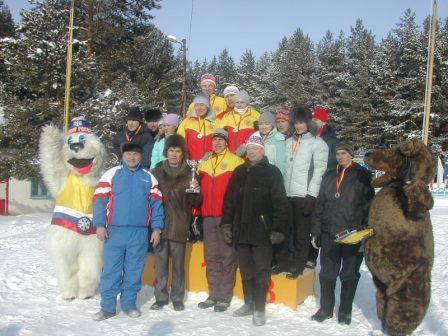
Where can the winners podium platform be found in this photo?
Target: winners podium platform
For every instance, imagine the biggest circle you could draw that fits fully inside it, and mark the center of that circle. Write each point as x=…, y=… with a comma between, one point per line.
x=281, y=290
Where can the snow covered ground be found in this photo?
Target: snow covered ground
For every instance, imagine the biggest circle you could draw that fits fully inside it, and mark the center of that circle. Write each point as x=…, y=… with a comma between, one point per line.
x=30, y=303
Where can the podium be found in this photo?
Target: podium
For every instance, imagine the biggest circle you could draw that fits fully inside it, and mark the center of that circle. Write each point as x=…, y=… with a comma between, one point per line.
x=281, y=290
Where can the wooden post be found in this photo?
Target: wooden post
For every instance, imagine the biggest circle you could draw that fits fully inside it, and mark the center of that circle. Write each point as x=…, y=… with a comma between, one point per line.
x=68, y=70
x=429, y=72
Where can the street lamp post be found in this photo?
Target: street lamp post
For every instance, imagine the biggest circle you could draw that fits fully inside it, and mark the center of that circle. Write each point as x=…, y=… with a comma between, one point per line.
x=183, y=44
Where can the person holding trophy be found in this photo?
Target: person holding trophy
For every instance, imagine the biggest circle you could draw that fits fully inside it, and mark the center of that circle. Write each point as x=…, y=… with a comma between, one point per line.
x=181, y=191
x=221, y=259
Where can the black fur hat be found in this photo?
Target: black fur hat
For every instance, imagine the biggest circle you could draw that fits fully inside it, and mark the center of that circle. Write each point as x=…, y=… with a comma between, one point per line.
x=134, y=113
x=303, y=114
x=131, y=147
x=177, y=141
x=152, y=114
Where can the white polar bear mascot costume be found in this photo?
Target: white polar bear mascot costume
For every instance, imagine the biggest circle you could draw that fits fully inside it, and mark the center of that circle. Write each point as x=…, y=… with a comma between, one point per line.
x=71, y=166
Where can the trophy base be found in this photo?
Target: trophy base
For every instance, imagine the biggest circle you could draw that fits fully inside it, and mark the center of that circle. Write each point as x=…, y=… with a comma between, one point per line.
x=192, y=191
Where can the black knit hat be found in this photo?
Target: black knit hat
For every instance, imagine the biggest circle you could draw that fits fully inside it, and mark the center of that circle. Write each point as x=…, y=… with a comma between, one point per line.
x=131, y=147
x=177, y=141
x=152, y=114
x=134, y=113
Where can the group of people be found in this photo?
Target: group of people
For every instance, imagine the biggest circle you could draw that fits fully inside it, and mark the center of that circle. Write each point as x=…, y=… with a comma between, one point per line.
x=271, y=188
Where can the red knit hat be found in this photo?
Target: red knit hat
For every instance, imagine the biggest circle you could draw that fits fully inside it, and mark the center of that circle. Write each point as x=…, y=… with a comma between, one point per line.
x=283, y=114
x=321, y=114
x=208, y=78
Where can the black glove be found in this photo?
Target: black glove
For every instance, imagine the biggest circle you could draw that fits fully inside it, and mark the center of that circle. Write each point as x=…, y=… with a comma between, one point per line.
x=308, y=205
x=276, y=237
x=227, y=233
x=315, y=241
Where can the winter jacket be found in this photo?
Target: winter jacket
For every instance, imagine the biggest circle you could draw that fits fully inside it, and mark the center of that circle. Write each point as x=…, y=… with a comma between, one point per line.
x=350, y=211
x=255, y=203
x=198, y=134
x=275, y=149
x=239, y=127
x=142, y=137
x=157, y=153
x=177, y=203
x=306, y=166
x=215, y=173
x=128, y=198
x=217, y=106
x=329, y=136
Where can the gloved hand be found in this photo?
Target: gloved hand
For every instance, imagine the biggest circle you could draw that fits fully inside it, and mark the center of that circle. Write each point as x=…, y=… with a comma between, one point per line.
x=227, y=233
x=315, y=241
x=276, y=237
x=308, y=205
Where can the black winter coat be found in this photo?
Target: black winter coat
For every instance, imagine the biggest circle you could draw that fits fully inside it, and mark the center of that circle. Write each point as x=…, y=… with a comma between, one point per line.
x=329, y=136
x=350, y=211
x=143, y=138
x=255, y=203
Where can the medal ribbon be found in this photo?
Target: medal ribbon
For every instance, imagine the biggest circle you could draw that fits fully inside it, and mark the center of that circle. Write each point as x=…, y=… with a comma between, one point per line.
x=214, y=166
x=340, y=178
x=242, y=117
x=294, y=148
x=128, y=138
x=201, y=126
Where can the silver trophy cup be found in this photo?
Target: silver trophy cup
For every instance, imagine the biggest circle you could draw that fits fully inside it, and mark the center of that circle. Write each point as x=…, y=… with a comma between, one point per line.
x=193, y=165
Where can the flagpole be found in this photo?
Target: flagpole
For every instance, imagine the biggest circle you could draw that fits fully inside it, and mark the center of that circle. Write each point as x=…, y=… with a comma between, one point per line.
x=429, y=72
x=68, y=71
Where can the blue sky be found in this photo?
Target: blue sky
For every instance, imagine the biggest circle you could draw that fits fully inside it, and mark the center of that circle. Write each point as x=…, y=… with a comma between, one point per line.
x=260, y=24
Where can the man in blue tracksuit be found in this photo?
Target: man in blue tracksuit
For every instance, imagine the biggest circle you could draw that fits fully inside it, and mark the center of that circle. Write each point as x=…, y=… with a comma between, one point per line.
x=127, y=201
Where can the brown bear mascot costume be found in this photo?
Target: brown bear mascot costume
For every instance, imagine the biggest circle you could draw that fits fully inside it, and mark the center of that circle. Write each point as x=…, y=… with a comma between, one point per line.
x=400, y=254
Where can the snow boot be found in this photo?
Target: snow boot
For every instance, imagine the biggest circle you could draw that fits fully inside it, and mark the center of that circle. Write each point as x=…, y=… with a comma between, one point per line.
x=260, y=291
x=348, y=290
x=134, y=313
x=158, y=305
x=178, y=306
x=221, y=306
x=102, y=315
x=326, y=300
x=209, y=302
x=248, y=307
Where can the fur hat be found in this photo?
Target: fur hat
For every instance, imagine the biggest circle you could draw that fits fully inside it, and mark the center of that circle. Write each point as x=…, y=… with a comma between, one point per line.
x=177, y=141
x=131, y=147
x=134, y=113
x=153, y=114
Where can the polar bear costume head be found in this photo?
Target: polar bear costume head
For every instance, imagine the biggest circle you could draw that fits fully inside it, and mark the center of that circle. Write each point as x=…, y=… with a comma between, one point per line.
x=79, y=152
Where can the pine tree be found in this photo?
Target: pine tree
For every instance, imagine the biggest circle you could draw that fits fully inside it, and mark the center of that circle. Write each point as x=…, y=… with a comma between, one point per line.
x=6, y=22
x=225, y=70
x=248, y=78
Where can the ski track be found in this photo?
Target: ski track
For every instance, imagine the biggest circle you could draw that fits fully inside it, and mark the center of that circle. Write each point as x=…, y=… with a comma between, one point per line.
x=30, y=303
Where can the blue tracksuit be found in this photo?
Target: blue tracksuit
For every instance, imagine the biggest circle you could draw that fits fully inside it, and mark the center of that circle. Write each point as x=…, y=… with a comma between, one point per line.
x=127, y=203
